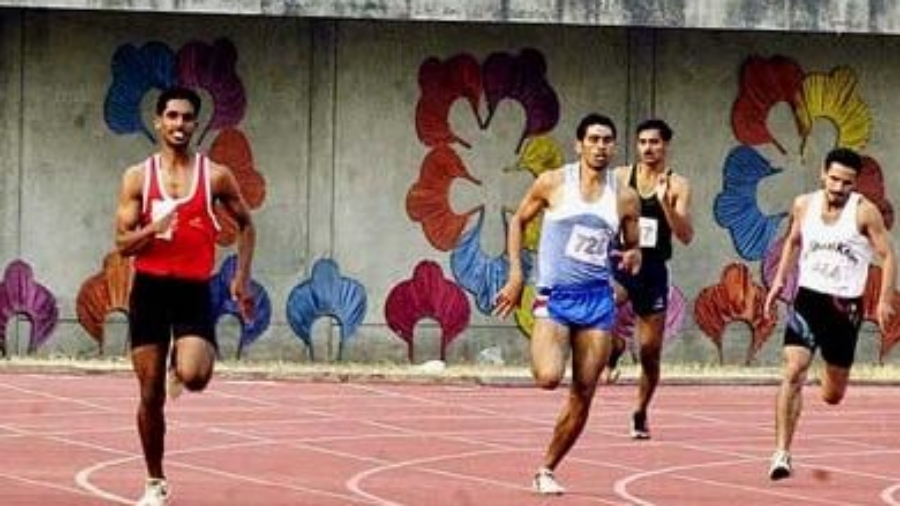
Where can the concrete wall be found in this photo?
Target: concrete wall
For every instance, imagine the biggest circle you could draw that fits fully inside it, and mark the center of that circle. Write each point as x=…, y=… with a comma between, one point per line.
x=856, y=16
x=331, y=119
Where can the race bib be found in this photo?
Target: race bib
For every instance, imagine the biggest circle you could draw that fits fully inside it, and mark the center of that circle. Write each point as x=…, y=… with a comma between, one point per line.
x=588, y=245
x=649, y=228
x=828, y=271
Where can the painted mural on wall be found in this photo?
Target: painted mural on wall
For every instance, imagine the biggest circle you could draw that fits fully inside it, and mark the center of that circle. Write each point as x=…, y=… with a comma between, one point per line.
x=520, y=77
x=105, y=292
x=327, y=293
x=735, y=298
x=428, y=294
x=21, y=295
x=210, y=68
x=222, y=304
x=832, y=96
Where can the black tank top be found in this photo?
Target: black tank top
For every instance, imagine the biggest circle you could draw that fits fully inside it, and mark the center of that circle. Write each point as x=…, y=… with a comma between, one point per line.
x=652, y=208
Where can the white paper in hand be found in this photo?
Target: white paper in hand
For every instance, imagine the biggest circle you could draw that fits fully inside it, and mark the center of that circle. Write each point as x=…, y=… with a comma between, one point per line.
x=160, y=209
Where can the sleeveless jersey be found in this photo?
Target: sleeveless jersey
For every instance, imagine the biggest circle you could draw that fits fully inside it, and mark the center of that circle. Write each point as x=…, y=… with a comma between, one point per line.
x=576, y=236
x=656, y=234
x=187, y=250
x=834, y=258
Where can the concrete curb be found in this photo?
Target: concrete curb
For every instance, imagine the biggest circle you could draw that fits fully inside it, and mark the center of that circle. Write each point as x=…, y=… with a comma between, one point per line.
x=472, y=375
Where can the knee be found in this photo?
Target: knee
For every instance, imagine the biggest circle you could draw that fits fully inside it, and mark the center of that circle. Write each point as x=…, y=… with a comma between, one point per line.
x=584, y=394
x=833, y=393
x=547, y=380
x=831, y=397
x=794, y=377
x=194, y=382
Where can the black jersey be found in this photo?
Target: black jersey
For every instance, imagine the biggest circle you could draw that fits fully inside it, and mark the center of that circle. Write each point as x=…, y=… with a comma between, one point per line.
x=656, y=234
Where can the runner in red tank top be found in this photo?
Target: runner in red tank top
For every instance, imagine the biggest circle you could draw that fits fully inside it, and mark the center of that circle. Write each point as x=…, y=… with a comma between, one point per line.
x=165, y=221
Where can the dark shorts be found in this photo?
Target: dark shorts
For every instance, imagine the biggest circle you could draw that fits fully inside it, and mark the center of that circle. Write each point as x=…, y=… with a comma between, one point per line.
x=163, y=308
x=648, y=290
x=591, y=307
x=825, y=322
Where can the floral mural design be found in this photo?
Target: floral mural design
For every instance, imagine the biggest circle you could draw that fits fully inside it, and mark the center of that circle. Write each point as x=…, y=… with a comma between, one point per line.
x=428, y=294
x=327, y=293
x=21, y=295
x=870, y=307
x=222, y=304
x=735, y=298
x=736, y=207
x=232, y=149
x=520, y=77
x=479, y=274
x=832, y=96
x=428, y=201
x=104, y=292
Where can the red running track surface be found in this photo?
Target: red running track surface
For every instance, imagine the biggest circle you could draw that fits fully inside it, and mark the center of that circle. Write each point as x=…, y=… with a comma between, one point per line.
x=71, y=440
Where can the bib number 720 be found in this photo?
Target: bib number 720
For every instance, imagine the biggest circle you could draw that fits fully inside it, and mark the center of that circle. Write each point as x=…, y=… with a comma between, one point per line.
x=588, y=245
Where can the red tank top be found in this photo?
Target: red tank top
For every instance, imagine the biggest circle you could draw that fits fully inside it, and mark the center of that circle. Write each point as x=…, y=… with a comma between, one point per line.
x=188, y=250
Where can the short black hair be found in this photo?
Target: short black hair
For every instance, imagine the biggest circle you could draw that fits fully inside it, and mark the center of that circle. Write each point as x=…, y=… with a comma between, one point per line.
x=665, y=131
x=594, y=119
x=846, y=157
x=177, y=93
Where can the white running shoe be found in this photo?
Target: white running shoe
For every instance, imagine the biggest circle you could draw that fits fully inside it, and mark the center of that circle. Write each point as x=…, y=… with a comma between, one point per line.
x=174, y=386
x=781, y=465
x=545, y=483
x=639, y=427
x=156, y=493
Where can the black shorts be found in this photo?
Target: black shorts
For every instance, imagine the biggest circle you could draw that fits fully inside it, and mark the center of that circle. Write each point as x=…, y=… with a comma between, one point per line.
x=825, y=322
x=162, y=308
x=648, y=290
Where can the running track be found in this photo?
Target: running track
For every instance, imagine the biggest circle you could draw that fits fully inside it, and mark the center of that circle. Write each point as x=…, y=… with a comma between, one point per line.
x=70, y=440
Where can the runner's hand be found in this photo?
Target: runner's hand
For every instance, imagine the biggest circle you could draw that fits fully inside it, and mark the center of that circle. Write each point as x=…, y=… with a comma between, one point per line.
x=242, y=296
x=885, y=315
x=628, y=261
x=769, y=304
x=662, y=187
x=508, y=298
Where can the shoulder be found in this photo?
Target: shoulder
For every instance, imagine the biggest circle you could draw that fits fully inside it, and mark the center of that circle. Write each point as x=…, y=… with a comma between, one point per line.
x=221, y=179
x=679, y=182
x=801, y=203
x=133, y=176
x=551, y=178
x=137, y=169
x=217, y=171
x=627, y=194
x=868, y=210
x=213, y=167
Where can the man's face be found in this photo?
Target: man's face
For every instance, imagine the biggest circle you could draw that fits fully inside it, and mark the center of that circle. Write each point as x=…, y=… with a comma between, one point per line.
x=651, y=147
x=177, y=123
x=838, y=180
x=598, y=146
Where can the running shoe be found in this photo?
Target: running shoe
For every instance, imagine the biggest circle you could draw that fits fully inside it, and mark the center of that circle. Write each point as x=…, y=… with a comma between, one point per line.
x=156, y=493
x=174, y=386
x=610, y=373
x=545, y=483
x=639, y=428
x=781, y=465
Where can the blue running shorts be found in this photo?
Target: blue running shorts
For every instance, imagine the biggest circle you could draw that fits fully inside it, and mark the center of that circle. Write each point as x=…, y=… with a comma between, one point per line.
x=592, y=306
